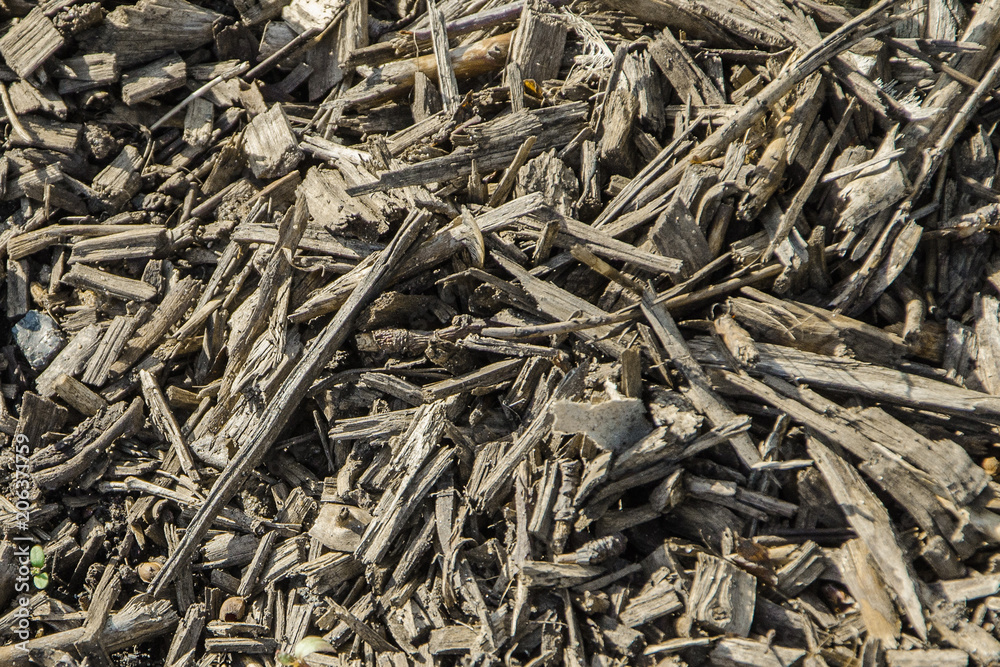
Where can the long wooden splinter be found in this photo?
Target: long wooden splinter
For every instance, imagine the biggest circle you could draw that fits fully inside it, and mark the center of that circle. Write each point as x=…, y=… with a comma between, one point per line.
x=259, y=438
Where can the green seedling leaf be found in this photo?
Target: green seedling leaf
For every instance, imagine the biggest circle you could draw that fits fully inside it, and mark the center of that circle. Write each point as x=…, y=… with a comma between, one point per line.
x=286, y=659
x=41, y=581
x=37, y=556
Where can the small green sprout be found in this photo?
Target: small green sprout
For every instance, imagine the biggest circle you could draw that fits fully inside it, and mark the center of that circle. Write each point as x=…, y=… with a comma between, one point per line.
x=37, y=558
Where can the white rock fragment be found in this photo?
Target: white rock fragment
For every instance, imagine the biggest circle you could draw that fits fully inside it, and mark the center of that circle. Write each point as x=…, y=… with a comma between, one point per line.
x=611, y=424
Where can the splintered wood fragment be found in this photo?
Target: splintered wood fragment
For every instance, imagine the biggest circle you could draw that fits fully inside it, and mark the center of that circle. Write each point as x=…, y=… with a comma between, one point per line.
x=17, y=289
x=29, y=42
x=38, y=416
x=491, y=477
x=78, y=395
x=870, y=520
x=559, y=304
x=123, y=288
x=91, y=439
x=804, y=566
x=447, y=81
x=71, y=360
x=492, y=145
x=510, y=173
x=270, y=145
x=35, y=241
x=364, y=631
x=38, y=132
x=583, y=255
x=166, y=424
x=557, y=575
x=684, y=75
x=179, y=298
x=722, y=596
x=91, y=70
x=732, y=652
x=700, y=392
x=256, y=440
x=538, y=44
x=419, y=468
x=631, y=375
x=198, y=122
x=791, y=215
x=737, y=340
x=137, y=244
x=487, y=375
x=114, y=339
x=856, y=377
x=676, y=234
x=251, y=575
x=154, y=79
x=936, y=657
x=679, y=15
x=617, y=120
x=816, y=329
x=253, y=12
x=140, y=620
x=426, y=98
x=117, y=183
x=573, y=232
x=188, y=633
x=441, y=246
x=105, y=596
x=238, y=645
x=452, y=640
x=151, y=29
x=653, y=601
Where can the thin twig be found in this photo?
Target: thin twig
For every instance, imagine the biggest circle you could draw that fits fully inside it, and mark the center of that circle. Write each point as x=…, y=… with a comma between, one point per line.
x=225, y=76
x=8, y=108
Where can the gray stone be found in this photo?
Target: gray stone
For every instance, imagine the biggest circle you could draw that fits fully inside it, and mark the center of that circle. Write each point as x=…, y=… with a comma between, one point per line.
x=39, y=338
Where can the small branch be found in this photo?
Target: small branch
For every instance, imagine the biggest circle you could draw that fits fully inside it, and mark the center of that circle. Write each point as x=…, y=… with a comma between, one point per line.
x=8, y=108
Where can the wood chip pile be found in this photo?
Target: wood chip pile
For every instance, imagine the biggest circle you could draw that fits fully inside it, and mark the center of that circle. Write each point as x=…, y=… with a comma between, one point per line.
x=631, y=332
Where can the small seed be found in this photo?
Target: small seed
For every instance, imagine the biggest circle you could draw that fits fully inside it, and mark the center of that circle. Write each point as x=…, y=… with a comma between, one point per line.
x=991, y=465
x=147, y=571
x=232, y=610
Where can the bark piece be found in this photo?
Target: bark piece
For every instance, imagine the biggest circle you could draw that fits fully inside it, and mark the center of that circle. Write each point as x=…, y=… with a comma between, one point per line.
x=154, y=79
x=151, y=29
x=117, y=183
x=538, y=44
x=722, y=596
x=270, y=145
x=30, y=42
x=684, y=75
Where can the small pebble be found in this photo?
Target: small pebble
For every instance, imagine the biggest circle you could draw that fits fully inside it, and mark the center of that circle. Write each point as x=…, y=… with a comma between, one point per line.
x=39, y=338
